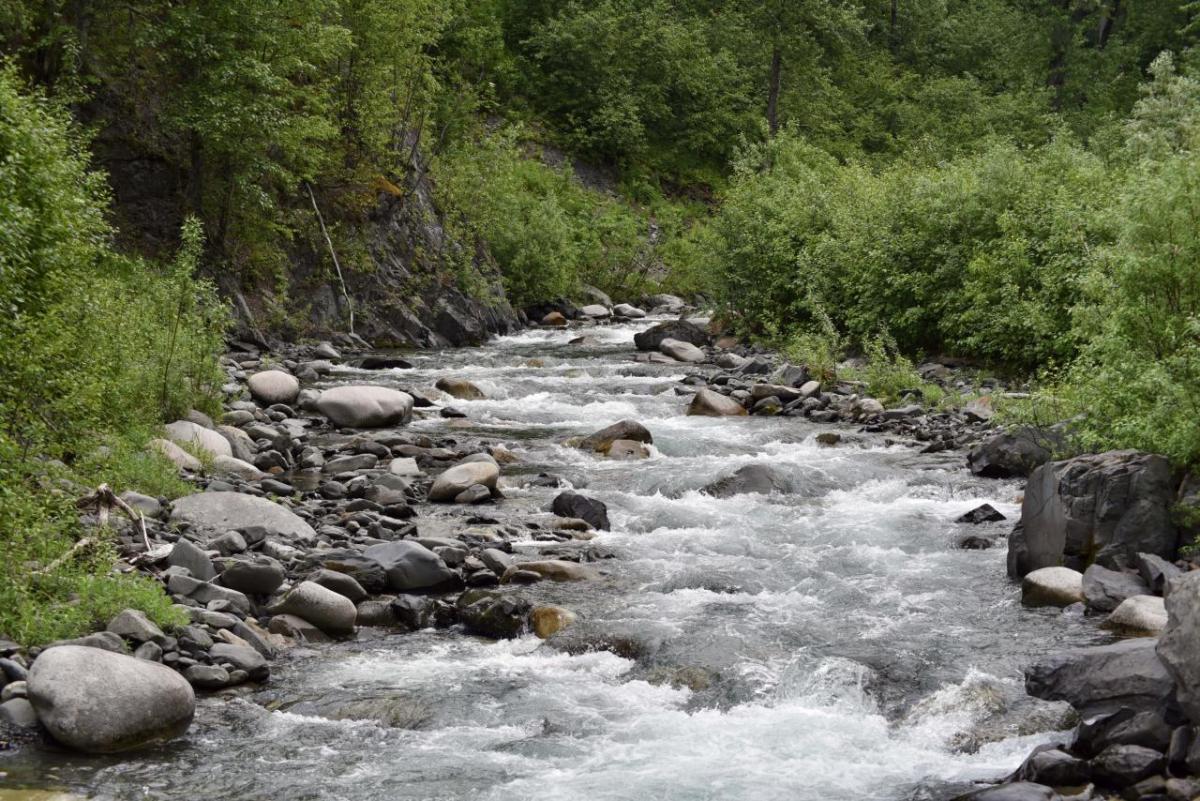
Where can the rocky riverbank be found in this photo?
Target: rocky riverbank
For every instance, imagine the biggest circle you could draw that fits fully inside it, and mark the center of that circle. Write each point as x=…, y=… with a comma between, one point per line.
x=324, y=511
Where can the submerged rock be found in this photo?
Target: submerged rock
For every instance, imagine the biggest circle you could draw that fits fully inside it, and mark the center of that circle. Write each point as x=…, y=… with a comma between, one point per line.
x=758, y=479
x=680, y=330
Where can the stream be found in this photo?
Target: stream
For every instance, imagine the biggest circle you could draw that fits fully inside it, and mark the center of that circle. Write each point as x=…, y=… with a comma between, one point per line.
x=826, y=643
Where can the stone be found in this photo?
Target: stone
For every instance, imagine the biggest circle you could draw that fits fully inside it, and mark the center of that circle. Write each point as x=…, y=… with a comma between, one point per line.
x=273, y=386
x=555, y=319
x=681, y=330
x=1179, y=646
x=1156, y=571
x=476, y=493
x=332, y=613
x=404, y=466
x=460, y=388
x=186, y=554
x=628, y=311
x=242, y=657
x=99, y=702
x=1013, y=454
x=549, y=620
x=1125, y=765
x=297, y=628
x=461, y=477
x=229, y=543
x=495, y=615
x=603, y=439
x=1105, y=589
x=175, y=454
x=729, y=361
x=132, y=624
x=553, y=569
x=681, y=351
x=758, y=479
x=1126, y=726
x=984, y=513
x=142, y=504
x=627, y=449
x=595, y=311
x=572, y=504
x=1016, y=791
x=230, y=466
x=1105, y=508
x=1052, y=586
x=1103, y=678
x=1138, y=616
x=410, y=566
x=207, y=677
x=340, y=583
x=1055, y=767
x=205, y=592
x=255, y=575
x=707, y=403
x=219, y=512
x=366, y=571
x=365, y=406
x=18, y=712
x=413, y=612
x=186, y=433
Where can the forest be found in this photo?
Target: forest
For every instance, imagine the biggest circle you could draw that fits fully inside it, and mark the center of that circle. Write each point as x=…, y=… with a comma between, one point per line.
x=1012, y=182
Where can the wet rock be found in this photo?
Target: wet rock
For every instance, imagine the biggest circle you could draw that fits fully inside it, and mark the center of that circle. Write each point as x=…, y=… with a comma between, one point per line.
x=1052, y=586
x=1126, y=726
x=1102, y=678
x=297, y=628
x=1179, y=647
x=552, y=569
x=1105, y=589
x=256, y=575
x=603, y=439
x=365, y=406
x=99, y=702
x=1110, y=506
x=758, y=479
x=493, y=615
x=1054, y=767
x=460, y=388
x=628, y=449
x=366, y=571
x=219, y=512
x=572, y=504
x=414, y=612
x=410, y=566
x=1013, y=454
x=384, y=362
x=707, y=403
x=241, y=657
x=190, y=435
x=975, y=543
x=549, y=620
x=351, y=463
x=1138, y=616
x=680, y=330
x=985, y=513
x=329, y=611
x=1126, y=765
x=461, y=477
x=273, y=386
x=681, y=351
x=1017, y=791
x=474, y=494
x=595, y=311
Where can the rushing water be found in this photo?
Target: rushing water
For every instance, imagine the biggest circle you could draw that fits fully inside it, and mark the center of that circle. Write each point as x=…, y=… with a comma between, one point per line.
x=830, y=643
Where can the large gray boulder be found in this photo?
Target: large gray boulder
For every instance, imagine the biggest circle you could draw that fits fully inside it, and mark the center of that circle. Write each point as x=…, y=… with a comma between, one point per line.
x=461, y=477
x=329, y=611
x=1103, y=678
x=1052, y=586
x=682, y=330
x=100, y=702
x=1104, y=508
x=1013, y=454
x=273, y=386
x=365, y=406
x=1105, y=589
x=681, y=351
x=197, y=437
x=218, y=512
x=1179, y=646
x=572, y=504
x=411, y=566
x=253, y=575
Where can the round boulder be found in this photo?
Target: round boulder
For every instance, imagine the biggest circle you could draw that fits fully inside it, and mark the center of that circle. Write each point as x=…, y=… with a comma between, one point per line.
x=411, y=566
x=256, y=575
x=99, y=702
x=681, y=351
x=365, y=406
x=713, y=404
x=458, y=479
x=329, y=611
x=273, y=386
x=185, y=432
x=1052, y=586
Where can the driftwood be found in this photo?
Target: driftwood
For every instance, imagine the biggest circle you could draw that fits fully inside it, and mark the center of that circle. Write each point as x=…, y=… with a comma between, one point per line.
x=102, y=502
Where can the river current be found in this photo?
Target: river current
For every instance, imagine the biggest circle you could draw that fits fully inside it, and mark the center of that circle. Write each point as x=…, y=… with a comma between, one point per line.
x=823, y=644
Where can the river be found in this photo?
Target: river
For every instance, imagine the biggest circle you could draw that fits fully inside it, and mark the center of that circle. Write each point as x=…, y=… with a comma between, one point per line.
x=828, y=643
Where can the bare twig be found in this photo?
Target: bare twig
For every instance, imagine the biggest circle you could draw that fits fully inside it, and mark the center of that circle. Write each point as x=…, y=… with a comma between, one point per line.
x=328, y=241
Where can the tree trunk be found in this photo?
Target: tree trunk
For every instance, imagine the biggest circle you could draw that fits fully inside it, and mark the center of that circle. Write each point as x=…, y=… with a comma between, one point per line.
x=773, y=92
x=1107, y=19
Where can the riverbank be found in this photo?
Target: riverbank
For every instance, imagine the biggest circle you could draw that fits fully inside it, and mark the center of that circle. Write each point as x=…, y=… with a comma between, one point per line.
x=838, y=610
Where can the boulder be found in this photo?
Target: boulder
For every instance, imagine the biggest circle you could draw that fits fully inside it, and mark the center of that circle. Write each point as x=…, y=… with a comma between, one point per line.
x=1179, y=646
x=1138, y=616
x=1156, y=572
x=682, y=330
x=1052, y=586
x=549, y=620
x=100, y=702
x=458, y=479
x=365, y=406
x=329, y=611
x=255, y=575
x=1126, y=765
x=184, y=432
x=1013, y=454
x=1016, y=791
x=460, y=388
x=628, y=311
x=218, y=512
x=627, y=449
x=1105, y=508
x=493, y=614
x=341, y=583
x=595, y=311
x=132, y=624
x=603, y=439
x=1050, y=765
x=241, y=657
x=273, y=386
x=186, y=554
x=1103, y=678
x=758, y=479
x=984, y=513
x=366, y=571
x=553, y=569
x=572, y=504
x=175, y=454
x=410, y=566
x=713, y=404
x=1105, y=589
x=230, y=466
x=681, y=351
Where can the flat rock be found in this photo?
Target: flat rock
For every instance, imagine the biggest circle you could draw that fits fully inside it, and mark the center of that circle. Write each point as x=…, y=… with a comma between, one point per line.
x=554, y=570
x=1052, y=586
x=218, y=512
x=681, y=351
x=1103, y=678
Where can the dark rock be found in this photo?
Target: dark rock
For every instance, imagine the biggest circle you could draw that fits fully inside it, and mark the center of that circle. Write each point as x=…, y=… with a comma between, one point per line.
x=985, y=513
x=414, y=612
x=1104, y=589
x=241, y=657
x=1179, y=646
x=1017, y=791
x=603, y=439
x=1104, y=508
x=572, y=504
x=410, y=566
x=682, y=330
x=1126, y=726
x=186, y=554
x=1156, y=571
x=257, y=575
x=975, y=543
x=500, y=616
x=366, y=571
x=1125, y=765
x=341, y=583
x=383, y=362
x=1103, y=678
x=1052, y=766
x=1013, y=454
x=758, y=479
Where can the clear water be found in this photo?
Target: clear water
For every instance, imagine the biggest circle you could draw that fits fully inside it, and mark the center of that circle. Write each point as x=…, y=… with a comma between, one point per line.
x=830, y=643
